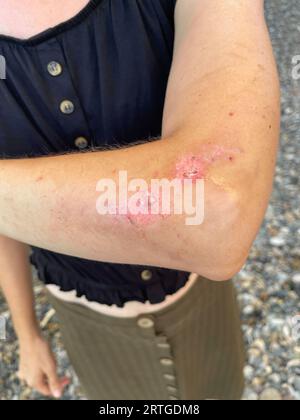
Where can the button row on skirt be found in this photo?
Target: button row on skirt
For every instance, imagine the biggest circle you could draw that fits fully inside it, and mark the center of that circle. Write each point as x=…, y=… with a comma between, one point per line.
x=165, y=357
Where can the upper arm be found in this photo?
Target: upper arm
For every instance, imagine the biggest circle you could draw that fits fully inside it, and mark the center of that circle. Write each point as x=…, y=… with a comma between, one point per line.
x=223, y=87
x=215, y=40
x=223, y=90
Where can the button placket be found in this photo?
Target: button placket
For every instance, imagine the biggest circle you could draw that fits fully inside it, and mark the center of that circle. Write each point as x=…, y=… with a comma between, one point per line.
x=168, y=366
x=63, y=99
x=163, y=350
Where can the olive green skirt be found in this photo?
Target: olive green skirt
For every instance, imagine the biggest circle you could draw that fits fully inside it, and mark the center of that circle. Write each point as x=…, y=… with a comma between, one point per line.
x=191, y=350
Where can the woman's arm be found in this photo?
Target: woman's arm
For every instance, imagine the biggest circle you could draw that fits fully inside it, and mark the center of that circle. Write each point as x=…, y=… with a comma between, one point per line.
x=222, y=108
x=37, y=363
x=16, y=283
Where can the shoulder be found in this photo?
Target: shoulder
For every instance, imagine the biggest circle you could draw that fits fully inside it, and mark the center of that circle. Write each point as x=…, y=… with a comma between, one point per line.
x=189, y=14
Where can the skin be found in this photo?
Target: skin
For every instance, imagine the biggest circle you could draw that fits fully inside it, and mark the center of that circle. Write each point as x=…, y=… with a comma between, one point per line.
x=26, y=18
x=197, y=166
x=223, y=94
x=189, y=167
x=37, y=362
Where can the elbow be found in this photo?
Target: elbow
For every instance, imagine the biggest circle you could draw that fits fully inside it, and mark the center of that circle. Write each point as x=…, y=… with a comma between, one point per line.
x=222, y=243
x=224, y=273
x=218, y=268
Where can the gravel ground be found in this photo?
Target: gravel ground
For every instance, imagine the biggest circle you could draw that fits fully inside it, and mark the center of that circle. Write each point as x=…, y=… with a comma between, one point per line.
x=269, y=285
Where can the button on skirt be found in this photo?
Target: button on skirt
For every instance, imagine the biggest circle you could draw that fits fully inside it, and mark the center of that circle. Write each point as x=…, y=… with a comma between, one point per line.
x=191, y=350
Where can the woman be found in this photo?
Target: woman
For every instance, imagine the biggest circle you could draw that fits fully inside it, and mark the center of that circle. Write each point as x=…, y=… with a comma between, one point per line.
x=98, y=78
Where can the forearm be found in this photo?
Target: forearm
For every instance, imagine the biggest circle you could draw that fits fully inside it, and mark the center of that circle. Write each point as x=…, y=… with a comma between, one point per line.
x=232, y=104
x=62, y=212
x=16, y=284
x=53, y=205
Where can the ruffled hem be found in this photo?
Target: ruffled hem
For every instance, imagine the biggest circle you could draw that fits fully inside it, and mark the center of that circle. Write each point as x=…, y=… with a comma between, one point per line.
x=122, y=283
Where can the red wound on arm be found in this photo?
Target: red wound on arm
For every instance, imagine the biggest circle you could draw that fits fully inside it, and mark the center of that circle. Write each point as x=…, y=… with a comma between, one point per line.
x=196, y=166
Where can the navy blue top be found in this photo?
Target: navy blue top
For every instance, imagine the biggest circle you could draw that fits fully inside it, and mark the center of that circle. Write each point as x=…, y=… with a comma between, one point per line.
x=111, y=62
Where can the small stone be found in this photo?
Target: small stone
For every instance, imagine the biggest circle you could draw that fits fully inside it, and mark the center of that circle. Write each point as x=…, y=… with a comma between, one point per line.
x=249, y=310
x=257, y=382
x=275, y=379
x=288, y=392
x=254, y=352
x=295, y=263
x=254, y=356
x=276, y=323
x=267, y=370
x=296, y=279
x=264, y=296
x=246, y=276
x=282, y=277
x=275, y=349
x=260, y=345
x=288, y=111
x=277, y=241
x=297, y=351
x=251, y=396
x=295, y=363
x=270, y=394
x=248, y=372
x=296, y=383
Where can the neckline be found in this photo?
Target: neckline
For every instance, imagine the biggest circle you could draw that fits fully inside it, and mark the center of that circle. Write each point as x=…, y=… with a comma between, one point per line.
x=54, y=30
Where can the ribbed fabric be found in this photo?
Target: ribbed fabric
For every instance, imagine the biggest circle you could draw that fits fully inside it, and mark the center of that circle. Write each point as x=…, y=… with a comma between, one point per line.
x=117, y=359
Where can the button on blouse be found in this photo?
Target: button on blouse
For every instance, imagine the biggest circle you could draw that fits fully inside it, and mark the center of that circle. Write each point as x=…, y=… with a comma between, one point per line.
x=54, y=68
x=81, y=143
x=67, y=107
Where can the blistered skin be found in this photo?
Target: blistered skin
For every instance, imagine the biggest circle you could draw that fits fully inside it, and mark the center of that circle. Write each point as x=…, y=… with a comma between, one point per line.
x=196, y=166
